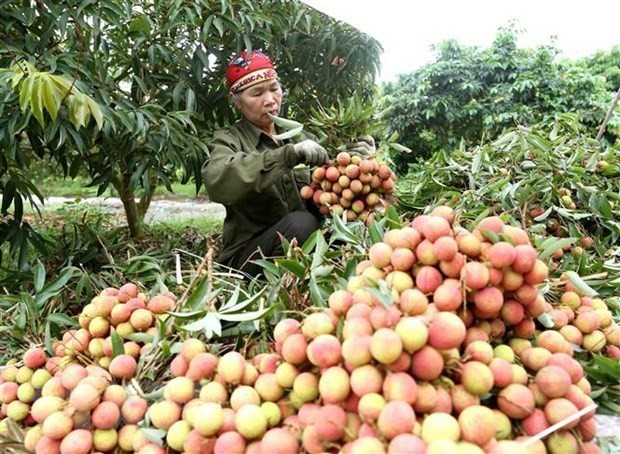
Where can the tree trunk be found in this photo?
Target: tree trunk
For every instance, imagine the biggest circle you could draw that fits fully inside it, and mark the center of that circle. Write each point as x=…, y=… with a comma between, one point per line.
x=601, y=130
x=145, y=200
x=134, y=219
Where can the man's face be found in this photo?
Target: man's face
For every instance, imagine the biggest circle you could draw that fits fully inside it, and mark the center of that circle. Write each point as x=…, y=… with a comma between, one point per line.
x=259, y=100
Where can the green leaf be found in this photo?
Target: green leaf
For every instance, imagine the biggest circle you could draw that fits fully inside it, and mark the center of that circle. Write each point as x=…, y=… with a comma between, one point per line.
x=267, y=265
x=61, y=319
x=39, y=276
x=610, y=366
x=322, y=270
x=285, y=122
x=343, y=232
x=580, y=284
x=245, y=316
x=384, y=298
x=190, y=99
x=15, y=432
x=243, y=304
x=546, y=320
x=198, y=295
x=95, y=111
x=52, y=288
x=596, y=394
x=375, y=232
x=140, y=24
x=198, y=325
x=318, y=295
x=310, y=243
x=232, y=300
x=26, y=92
x=51, y=97
x=293, y=266
x=491, y=235
x=554, y=246
x=319, y=253
x=217, y=23
x=544, y=216
x=141, y=337
x=212, y=325
x=48, y=339
x=8, y=194
x=117, y=345
x=288, y=134
x=154, y=435
x=36, y=102
x=187, y=315
x=392, y=216
x=475, y=165
x=349, y=269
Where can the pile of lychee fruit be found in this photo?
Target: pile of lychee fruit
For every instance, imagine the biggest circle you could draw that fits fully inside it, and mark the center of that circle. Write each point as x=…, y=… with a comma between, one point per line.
x=586, y=321
x=351, y=185
x=124, y=311
x=433, y=346
x=68, y=408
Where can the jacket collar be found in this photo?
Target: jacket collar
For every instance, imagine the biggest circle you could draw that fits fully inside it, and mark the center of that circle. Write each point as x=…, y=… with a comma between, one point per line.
x=253, y=133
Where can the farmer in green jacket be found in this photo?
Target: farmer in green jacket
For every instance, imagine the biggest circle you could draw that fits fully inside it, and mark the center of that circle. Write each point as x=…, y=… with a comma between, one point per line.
x=252, y=173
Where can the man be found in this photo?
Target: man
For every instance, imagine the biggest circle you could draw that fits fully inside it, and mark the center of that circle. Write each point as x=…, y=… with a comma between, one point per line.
x=253, y=174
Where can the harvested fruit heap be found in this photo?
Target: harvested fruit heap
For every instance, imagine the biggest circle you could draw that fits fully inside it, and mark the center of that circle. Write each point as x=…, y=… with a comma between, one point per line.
x=444, y=355
x=125, y=312
x=350, y=185
x=586, y=322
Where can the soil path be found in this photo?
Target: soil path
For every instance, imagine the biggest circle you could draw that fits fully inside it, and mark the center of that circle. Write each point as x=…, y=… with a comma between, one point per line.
x=160, y=210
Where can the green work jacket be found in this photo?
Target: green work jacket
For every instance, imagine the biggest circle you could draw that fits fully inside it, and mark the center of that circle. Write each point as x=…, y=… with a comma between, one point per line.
x=253, y=177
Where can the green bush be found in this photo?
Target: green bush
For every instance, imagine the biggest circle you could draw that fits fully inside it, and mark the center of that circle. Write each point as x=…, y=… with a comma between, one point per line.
x=472, y=95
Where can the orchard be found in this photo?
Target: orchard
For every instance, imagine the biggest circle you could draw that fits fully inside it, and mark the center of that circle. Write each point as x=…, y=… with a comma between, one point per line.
x=461, y=293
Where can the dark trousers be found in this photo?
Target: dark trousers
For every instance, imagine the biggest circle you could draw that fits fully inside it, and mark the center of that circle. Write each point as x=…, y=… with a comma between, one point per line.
x=298, y=224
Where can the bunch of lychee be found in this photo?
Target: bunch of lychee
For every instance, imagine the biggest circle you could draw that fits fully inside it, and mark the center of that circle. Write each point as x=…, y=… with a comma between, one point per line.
x=77, y=410
x=21, y=384
x=125, y=311
x=222, y=404
x=351, y=185
x=586, y=322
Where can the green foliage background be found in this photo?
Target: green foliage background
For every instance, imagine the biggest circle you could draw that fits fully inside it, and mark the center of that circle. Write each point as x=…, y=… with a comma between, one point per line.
x=471, y=94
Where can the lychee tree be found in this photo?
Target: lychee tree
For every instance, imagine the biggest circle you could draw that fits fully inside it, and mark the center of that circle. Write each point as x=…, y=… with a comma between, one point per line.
x=472, y=94
x=157, y=74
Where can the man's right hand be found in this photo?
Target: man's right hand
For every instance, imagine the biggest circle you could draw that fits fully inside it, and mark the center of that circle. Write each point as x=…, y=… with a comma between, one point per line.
x=310, y=153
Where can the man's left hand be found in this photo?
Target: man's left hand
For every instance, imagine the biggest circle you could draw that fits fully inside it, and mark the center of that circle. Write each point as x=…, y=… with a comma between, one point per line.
x=363, y=146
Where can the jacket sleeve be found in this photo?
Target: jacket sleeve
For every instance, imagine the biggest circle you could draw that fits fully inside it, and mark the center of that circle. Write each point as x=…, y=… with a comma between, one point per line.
x=232, y=173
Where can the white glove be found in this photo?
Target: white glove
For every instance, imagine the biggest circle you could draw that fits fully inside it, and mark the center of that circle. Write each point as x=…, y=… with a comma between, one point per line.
x=364, y=146
x=310, y=153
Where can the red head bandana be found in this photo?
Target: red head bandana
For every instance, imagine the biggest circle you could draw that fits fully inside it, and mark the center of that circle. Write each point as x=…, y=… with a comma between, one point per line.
x=246, y=71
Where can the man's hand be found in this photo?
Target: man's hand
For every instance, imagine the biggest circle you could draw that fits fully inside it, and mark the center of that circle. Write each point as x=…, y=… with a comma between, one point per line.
x=310, y=153
x=363, y=146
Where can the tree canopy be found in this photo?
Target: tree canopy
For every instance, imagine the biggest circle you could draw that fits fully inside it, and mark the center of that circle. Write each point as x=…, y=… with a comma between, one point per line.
x=155, y=72
x=473, y=94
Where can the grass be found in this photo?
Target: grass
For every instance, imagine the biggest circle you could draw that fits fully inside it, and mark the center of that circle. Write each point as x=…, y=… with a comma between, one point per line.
x=206, y=224
x=49, y=180
x=79, y=233
x=61, y=187
x=75, y=211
